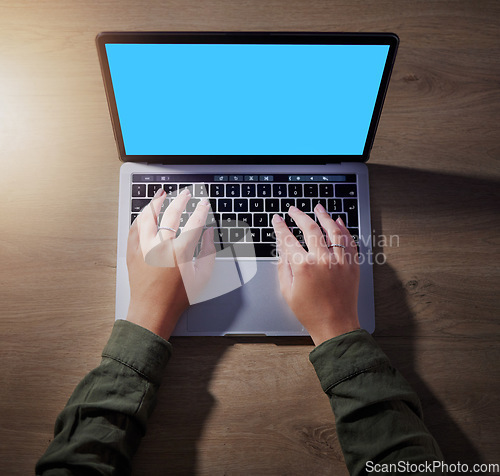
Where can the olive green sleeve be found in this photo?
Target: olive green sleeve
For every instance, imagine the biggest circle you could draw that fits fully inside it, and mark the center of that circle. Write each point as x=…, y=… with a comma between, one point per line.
x=378, y=416
x=103, y=422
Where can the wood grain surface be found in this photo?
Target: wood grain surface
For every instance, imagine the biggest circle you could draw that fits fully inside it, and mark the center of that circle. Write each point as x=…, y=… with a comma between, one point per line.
x=252, y=406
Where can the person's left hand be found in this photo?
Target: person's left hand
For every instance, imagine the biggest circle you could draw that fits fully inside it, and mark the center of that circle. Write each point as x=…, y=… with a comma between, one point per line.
x=162, y=273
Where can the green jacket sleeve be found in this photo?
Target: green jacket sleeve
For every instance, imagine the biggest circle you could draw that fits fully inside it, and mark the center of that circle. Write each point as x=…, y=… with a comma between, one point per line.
x=378, y=416
x=103, y=422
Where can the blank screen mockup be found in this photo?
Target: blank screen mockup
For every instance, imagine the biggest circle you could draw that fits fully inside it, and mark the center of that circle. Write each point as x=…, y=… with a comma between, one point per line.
x=245, y=99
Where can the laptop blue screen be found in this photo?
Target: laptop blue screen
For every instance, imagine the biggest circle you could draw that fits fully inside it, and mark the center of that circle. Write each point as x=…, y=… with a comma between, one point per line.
x=226, y=99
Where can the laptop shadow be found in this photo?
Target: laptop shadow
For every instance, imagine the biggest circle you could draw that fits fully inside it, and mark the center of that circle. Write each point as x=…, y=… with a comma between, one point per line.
x=439, y=206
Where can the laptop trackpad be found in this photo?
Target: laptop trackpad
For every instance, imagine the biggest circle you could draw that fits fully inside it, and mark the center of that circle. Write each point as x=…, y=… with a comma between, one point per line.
x=256, y=307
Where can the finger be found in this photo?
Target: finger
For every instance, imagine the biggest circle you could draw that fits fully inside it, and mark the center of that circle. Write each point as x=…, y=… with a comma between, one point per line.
x=198, y=218
x=347, y=238
x=334, y=234
x=286, y=242
x=147, y=221
x=191, y=232
x=172, y=216
x=313, y=236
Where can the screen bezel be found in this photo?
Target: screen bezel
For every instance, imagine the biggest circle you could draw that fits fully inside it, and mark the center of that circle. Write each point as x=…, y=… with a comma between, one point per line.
x=283, y=38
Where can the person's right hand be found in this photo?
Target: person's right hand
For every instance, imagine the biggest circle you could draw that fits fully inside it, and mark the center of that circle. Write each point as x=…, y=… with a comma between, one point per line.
x=319, y=285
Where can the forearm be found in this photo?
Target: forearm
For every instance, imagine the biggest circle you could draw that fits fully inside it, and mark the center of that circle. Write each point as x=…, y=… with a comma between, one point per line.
x=377, y=414
x=103, y=422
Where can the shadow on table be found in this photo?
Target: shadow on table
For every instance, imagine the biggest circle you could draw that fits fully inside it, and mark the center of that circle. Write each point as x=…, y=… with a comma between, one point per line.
x=431, y=199
x=401, y=350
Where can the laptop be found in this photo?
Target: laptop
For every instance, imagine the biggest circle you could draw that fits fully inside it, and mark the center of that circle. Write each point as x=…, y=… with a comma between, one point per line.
x=255, y=122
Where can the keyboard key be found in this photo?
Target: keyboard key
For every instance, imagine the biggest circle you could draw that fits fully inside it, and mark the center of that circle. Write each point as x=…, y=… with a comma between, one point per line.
x=334, y=205
x=272, y=205
x=138, y=204
x=223, y=235
x=343, y=216
x=256, y=205
x=138, y=190
x=304, y=204
x=322, y=201
x=354, y=233
x=152, y=188
x=311, y=190
x=346, y=190
x=133, y=217
x=264, y=190
x=241, y=205
x=260, y=220
x=200, y=190
x=191, y=205
x=351, y=208
x=295, y=190
x=183, y=220
x=265, y=250
x=233, y=190
x=213, y=204
x=170, y=188
x=217, y=190
x=245, y=218
x=225, y=205
x=143, y=178
x=279, y=190
x=297, y=232
x=248, y=190
x=286, y=203
x=236, y=234
x=289, y=221
x=213, y=219
x=326, y=190
x=255, y=234
x=260, y=250
x=228, y=219
x=218, y=243
x=268, y=235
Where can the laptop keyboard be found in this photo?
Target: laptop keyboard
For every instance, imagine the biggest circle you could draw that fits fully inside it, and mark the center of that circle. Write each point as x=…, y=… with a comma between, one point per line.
x=242, y=206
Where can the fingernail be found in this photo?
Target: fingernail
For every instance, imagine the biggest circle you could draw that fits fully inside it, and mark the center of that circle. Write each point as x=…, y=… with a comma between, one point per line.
x=340, y=222
x=204, y=201
x=277, y=218
x=159, y=193
x=320, y=208
x=291, y=208
x=185, y=192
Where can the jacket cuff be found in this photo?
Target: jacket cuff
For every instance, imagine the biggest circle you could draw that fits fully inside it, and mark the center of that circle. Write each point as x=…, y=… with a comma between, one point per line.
x=344, y=357
x=139, y=349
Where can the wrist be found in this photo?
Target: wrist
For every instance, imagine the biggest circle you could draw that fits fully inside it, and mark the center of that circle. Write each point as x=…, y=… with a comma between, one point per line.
x=328, y=332
x=160, y=324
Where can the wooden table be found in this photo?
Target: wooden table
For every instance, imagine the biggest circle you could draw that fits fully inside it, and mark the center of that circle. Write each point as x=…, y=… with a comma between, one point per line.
x=243, y=406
